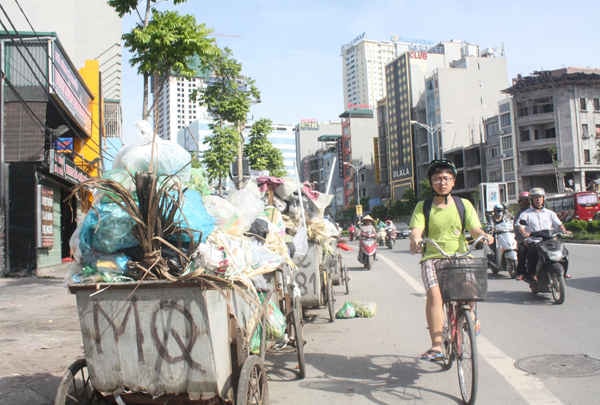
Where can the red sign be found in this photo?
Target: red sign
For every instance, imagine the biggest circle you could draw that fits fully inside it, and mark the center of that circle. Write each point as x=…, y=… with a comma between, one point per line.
x=47, y=216
x=418, y=54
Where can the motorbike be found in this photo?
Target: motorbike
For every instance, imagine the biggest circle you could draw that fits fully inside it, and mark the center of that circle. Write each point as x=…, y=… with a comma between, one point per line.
x=390, y=237
x=367, y=249
x=381, y=234
x=552, y=264
x=504, y=256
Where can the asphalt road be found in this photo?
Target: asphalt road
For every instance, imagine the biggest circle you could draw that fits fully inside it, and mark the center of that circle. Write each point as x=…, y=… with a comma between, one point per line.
x=360, y=361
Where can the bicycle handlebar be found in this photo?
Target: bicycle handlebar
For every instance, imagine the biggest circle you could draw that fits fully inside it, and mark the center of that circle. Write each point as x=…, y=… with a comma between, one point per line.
x=455, y=255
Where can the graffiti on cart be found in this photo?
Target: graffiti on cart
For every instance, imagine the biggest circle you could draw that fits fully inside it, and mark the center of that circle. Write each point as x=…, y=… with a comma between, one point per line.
x=185, y=334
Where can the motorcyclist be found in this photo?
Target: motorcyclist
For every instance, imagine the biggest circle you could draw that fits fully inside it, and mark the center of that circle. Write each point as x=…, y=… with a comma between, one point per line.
x=534, y=219
x=389, y=226
x=524, y=204
x=368, y=225
x=497, y=218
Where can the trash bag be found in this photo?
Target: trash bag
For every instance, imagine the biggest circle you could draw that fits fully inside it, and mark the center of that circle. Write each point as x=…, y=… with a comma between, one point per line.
x=194, y=217
x=365, y=310
x=347, y=311
x=106, y=228
x=275, y=321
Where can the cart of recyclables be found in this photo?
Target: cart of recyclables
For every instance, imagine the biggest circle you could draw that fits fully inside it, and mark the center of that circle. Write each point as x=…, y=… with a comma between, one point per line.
x=170, y=281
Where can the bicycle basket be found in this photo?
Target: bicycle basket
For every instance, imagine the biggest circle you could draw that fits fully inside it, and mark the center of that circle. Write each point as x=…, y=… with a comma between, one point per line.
x=463, y=279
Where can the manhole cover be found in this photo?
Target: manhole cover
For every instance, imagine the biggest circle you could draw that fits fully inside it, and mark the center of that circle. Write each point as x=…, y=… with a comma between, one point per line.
x=560, y=365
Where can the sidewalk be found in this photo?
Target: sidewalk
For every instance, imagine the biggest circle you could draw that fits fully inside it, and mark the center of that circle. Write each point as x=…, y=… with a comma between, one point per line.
x=39, y=336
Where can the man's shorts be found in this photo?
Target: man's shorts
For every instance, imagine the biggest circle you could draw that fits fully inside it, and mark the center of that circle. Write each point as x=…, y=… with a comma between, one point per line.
x=428, y=273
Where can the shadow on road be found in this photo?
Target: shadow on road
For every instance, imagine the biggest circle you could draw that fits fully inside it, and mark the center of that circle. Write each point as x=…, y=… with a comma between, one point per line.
x=524, y=297
x=381, y=379
x=586, y=283
x=38, y=389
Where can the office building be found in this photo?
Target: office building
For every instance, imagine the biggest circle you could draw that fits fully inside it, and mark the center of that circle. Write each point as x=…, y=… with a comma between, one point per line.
x=307, y=133
x=557, y=119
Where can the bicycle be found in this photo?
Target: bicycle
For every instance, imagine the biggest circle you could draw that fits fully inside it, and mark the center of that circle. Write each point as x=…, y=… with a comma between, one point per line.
x=463, y=281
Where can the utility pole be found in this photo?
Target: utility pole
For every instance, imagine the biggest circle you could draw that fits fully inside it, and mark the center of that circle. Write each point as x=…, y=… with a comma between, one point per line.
x=4, y=262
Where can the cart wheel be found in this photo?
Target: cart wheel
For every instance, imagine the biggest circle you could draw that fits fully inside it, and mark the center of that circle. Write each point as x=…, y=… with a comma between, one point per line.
x=252, y=385
x=330, y=300
x=76, y=388
x=296, y=315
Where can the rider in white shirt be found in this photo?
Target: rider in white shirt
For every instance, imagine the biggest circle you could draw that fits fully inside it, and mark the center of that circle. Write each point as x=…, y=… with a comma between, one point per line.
x=537, y=218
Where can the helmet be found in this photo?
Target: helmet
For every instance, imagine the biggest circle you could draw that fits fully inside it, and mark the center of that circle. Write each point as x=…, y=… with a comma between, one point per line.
x=368, y=218
x=524, y=195
x=537, y=192
x=388, y=221
x=441, y=164
x=498, y=208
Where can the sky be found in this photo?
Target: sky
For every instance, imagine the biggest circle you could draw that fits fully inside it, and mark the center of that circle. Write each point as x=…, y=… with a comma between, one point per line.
x=292, y=48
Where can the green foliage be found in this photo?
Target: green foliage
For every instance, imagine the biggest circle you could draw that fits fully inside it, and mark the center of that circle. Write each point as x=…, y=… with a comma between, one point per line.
x=229, y=95
x=576, y=225
x=594, y=226
x=426, y=190
x=168, y=43
x=379, y=211
x=221, y=153
x=261, y=153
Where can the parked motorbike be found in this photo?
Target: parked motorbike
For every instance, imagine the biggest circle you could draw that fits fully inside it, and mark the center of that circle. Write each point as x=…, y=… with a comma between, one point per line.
x=367, y=249
x=504, y=256
x=390, y=237
x=552, y=264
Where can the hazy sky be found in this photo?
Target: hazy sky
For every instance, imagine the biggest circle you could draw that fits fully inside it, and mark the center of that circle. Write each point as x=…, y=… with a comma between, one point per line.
x=292, y=48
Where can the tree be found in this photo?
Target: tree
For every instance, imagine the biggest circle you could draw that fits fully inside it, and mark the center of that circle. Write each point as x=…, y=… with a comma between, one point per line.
x=165, y=43
x=221, y=153
x=228, y=98
x=261, y=153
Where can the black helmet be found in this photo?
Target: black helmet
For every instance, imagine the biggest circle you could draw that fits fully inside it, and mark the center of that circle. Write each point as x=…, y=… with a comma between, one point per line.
x=441, y=164
x=498, y=208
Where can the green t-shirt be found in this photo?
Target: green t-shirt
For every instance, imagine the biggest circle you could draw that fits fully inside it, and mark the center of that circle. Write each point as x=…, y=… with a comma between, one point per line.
x=445, y=227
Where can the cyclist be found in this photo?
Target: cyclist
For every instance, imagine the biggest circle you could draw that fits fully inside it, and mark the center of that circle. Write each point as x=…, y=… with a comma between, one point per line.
x=524, y=204
x=538, y=218
x=445, y=227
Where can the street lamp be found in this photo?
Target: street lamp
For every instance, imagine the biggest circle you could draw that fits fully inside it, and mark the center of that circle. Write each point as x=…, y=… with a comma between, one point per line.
x=356, y=169
x=435, y=149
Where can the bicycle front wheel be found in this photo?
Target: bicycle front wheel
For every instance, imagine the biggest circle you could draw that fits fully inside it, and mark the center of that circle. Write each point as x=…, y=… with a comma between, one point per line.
x=447, y=347
x=466, y=357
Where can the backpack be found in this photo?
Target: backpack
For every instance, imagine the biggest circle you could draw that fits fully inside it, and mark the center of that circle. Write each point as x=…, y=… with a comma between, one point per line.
x=460, y=206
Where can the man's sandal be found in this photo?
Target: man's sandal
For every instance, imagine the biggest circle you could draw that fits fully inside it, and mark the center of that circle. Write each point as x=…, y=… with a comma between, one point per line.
x=432, y=355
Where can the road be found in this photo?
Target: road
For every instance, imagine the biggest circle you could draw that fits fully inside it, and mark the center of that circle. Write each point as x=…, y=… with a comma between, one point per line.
x=374, y=361
x=360, y=361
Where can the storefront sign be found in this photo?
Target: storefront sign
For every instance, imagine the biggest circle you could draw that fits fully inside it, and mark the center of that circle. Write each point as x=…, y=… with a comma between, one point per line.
x=45, y=210
x=70, y=90
x=309, y=124
x=65, y=168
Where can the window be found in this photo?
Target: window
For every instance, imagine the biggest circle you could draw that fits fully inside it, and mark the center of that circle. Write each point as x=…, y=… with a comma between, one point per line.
x=509, y=165
x=597, y=104
x=506, y=142
x=505, y=120
x=586, y=156
x=550, y=133
x=582, y=104
x=523, y=134
x=585, y=133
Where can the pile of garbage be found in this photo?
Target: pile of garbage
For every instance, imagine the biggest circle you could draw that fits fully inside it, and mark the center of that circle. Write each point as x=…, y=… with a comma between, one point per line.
x=153, y=217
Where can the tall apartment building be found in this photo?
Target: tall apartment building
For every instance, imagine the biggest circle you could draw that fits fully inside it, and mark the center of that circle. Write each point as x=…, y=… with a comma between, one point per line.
x=363, y=67
x=437, y=101
x=174, y=112
x=557, y=119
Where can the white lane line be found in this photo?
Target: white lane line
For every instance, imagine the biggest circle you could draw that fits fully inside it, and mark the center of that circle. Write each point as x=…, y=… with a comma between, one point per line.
x=531, y=388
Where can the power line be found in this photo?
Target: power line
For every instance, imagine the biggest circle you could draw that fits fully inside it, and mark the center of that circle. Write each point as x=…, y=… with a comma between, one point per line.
x=91, y=141
x=99, y=150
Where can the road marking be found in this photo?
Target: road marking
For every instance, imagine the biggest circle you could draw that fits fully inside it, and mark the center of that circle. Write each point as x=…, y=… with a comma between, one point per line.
x=529, y=387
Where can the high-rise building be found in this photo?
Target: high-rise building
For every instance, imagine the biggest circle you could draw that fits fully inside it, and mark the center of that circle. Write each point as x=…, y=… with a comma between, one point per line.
x=283, y=137
x=175, y=111
x=307, y=134
x=363, y=67
x=437, y=101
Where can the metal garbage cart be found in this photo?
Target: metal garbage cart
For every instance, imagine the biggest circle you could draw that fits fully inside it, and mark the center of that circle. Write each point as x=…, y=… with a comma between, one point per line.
x=313, y=279
x=187, y=342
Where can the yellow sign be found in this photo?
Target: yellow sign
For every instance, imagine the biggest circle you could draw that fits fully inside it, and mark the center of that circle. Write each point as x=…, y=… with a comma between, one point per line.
x=358, y=210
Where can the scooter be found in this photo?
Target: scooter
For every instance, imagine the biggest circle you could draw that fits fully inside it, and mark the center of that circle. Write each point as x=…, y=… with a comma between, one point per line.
x=504, y=256
x=381, y=235
x=367, y=249
x=552, y=264
x=390, y=237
